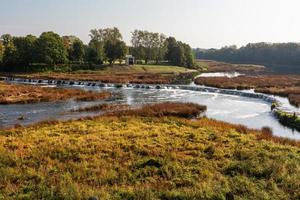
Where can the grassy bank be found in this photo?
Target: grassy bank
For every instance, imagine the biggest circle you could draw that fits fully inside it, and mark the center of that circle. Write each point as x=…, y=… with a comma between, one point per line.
x=151, y=74
x=216, y=66
x=287, y=119
x=282, y=85
x=135, y=157
x=23, y=94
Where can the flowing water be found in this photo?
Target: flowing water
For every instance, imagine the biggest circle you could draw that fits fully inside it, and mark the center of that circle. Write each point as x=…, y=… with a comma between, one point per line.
x=252, y=112
x=220, y=74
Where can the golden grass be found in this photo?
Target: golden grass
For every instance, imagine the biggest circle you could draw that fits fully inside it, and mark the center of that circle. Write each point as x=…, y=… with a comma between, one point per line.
x=103, y=107
x=184, y=110
x=23, y=94
x=134, y=157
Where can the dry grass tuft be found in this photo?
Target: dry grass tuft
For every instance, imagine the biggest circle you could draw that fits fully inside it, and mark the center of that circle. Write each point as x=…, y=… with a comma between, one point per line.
x=295, y=99
x=184, y=110
x=103, y=107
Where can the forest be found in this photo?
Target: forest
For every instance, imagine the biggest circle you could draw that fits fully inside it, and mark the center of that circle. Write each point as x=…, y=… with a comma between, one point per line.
x=52, y=52
x=277, y=56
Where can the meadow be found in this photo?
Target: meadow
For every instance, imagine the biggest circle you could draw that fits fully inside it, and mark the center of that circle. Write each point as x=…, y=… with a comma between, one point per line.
x=141, y=156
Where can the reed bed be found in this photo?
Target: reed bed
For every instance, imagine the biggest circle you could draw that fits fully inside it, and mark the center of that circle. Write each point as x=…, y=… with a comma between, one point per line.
x=183, y=110
x=24, y=94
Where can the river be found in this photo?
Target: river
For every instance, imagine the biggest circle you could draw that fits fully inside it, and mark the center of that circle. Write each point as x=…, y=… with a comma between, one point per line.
x=251, y=112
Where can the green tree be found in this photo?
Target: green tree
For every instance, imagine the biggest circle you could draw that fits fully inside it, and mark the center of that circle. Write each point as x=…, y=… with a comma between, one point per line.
x=115, y=50
x=179, y=53
x=95, y=52
x=172, y=50
x=25, y=47
x=148, y=45
x=10, y=56
x=162, y=48
x=6, y=39
x=280, y=57
x=179, y=56
x=68, y=41
x=105, y=45
x=50, y=49
x=76, y=52
x=189, y=56
x=122, y=50
x=138, y=50
x=1, y=51
x=103, y=35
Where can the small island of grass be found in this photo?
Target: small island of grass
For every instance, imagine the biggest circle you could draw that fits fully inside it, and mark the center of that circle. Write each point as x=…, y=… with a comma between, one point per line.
x=24, y=94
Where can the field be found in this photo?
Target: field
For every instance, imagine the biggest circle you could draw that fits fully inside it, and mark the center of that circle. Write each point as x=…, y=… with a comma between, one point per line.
x=143, y=157
x=282, y=85
x=23, y=94
x=215, y=66
x=151, y=74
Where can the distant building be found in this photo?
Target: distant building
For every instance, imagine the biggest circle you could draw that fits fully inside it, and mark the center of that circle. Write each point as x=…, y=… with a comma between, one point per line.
x=129, y=60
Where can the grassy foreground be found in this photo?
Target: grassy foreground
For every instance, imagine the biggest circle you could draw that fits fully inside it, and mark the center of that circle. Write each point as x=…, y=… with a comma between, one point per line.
x=136, y=157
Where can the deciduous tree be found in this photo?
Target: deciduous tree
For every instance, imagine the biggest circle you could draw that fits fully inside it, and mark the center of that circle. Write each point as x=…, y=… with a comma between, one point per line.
x=115, y=50
x=76, y=52
x=1, y=51
x=50, y=49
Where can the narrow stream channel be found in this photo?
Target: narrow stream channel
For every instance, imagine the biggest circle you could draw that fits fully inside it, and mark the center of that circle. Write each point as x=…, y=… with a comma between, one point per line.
x=251, y=112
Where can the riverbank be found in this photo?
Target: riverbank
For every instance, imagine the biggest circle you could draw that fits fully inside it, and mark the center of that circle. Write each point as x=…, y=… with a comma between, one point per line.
x=136, y=157
x=254, y=116
x=147, y=74
x=25, y=94
x=216, y=66
x=291, y=120
x=281, y=85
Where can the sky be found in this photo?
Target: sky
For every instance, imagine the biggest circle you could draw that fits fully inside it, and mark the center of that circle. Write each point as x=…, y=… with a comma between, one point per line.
x=200, y=23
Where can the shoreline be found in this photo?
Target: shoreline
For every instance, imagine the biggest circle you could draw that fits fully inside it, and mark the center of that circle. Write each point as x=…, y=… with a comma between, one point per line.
x=265, y=97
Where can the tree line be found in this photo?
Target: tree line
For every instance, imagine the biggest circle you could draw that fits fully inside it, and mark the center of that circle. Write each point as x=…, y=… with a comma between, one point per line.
x=52, y=51
x=286, y=54
x=273, y=55
x=155, y=47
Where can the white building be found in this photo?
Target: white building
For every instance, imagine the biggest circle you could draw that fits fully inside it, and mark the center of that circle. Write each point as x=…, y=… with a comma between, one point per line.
x=129, y=60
